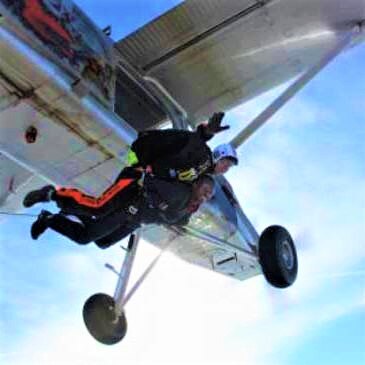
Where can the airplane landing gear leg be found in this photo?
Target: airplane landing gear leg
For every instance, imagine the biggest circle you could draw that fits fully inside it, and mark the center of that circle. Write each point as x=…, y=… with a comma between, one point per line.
x=104, y=315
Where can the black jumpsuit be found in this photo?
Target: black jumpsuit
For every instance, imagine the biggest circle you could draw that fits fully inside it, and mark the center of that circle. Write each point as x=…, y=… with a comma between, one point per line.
x=172, y=154
x=110, y=229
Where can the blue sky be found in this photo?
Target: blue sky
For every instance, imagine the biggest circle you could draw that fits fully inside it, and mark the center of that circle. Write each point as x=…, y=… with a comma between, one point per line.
x=305, y=170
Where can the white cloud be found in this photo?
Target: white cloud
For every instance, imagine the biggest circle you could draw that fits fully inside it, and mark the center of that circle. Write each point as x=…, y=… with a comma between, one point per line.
x=185, y=315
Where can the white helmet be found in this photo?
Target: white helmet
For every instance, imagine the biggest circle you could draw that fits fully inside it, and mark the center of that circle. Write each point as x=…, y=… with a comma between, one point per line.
x=225, y=151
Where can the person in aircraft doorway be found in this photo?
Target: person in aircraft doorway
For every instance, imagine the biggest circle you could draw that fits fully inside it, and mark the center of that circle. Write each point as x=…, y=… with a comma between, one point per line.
x=160, y=202
x=175, y=155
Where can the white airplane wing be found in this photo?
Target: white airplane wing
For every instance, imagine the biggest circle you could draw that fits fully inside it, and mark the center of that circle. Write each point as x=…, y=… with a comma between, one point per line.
x=213, y=55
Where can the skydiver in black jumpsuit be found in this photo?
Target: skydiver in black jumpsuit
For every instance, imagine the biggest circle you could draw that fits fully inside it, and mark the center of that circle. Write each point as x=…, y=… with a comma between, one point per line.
x=161, y=202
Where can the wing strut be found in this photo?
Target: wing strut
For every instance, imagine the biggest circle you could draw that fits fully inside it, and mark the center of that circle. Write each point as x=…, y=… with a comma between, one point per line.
x=144, y=275
x=263, y=117
x=121, y=288
x=121, y=297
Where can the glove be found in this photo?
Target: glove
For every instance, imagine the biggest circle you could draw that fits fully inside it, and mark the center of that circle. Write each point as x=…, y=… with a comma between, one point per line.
x=214, y=123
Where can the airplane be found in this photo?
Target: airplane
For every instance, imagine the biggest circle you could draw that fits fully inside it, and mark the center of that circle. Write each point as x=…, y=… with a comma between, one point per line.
x=67, y=88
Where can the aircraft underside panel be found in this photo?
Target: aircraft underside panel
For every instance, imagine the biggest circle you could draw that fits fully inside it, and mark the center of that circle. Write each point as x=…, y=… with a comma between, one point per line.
x=58, y=155
x=77, y=139
x=69, y=147
x=205, y=253
x=63, y=34
x=212, y=55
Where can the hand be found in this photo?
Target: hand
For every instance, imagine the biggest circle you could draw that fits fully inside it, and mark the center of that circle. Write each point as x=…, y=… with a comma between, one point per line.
x=214, y=123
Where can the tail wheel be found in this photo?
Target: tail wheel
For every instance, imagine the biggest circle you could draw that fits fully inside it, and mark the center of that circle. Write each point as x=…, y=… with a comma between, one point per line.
x=278, y=256
x=101, y=320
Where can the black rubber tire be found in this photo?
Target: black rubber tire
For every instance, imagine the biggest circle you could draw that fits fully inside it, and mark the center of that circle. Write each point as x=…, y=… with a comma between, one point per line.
x=278, y=256
x=99, y=317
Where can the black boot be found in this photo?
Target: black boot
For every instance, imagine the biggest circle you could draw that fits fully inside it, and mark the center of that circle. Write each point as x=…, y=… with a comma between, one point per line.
x=37, y=196
x=40, y=225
